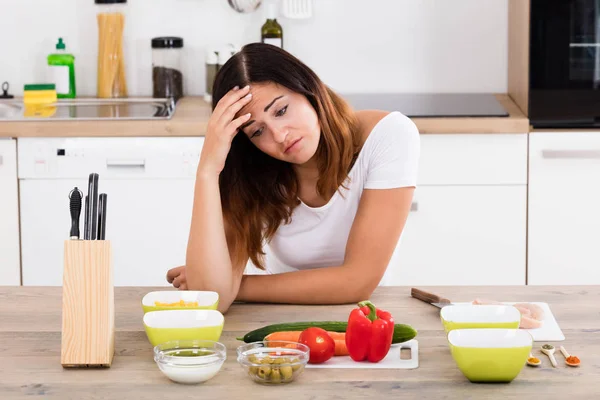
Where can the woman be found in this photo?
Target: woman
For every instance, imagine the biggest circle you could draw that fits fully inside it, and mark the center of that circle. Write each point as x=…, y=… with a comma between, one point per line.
x=287, y=164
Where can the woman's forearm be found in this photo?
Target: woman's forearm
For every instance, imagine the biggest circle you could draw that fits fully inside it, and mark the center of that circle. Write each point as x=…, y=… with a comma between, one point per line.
x=208, y=265
x=332, y=285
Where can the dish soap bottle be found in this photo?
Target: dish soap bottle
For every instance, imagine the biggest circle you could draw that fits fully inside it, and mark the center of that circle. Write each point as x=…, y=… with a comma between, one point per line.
x=62, y=71
x=271, y=31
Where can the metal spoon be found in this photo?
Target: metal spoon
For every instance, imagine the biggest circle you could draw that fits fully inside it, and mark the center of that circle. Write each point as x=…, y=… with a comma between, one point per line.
x=567, y=355
x=548, y=350
x=533, y=364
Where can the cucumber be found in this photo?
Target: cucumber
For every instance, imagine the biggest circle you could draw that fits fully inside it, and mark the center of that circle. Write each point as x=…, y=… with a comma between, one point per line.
x=402, y=332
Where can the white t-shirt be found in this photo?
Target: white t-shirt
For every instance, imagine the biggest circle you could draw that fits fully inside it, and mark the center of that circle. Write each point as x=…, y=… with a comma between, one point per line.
x=316, y=237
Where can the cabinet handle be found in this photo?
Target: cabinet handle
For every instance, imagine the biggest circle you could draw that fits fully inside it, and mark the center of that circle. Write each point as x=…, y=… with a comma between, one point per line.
x=1, y=159
x=580, y=154
x=118, y=163
x=414, y=206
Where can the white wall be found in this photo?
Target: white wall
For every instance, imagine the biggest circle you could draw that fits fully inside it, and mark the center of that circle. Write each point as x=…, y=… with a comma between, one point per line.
x=354, y=45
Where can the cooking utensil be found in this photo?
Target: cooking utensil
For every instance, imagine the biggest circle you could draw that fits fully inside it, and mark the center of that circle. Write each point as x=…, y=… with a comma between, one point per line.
x=93, y=203
x=548, y=350
x=86, y=220
x=533, y=364
x=433, y=299
x=75, y=208
x=102, y=216
x=297, y=9
x=244, y=6
x=567, y=355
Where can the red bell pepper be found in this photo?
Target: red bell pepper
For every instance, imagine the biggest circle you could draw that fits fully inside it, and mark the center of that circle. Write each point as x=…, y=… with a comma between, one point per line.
x=369, y=333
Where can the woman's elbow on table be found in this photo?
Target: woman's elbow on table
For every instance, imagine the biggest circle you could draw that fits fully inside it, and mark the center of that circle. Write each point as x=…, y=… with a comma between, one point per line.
x=226, y=294
x=366, y=285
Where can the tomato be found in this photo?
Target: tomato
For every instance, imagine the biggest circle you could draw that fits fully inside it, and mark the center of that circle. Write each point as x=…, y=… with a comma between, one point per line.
x=321, y=345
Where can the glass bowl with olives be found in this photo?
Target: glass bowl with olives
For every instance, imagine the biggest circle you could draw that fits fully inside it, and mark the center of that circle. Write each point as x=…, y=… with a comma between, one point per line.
x=273, y=362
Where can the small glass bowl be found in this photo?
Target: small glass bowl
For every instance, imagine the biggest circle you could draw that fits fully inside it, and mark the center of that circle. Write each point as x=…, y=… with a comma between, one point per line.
x=190, y=361
x=273, y=362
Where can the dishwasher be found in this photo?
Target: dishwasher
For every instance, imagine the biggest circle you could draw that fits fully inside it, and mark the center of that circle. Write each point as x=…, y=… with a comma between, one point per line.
x=149, y=182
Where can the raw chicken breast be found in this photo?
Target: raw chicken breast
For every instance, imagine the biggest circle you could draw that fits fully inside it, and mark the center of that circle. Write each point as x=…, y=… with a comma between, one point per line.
x=483, y=302
x=532, y=315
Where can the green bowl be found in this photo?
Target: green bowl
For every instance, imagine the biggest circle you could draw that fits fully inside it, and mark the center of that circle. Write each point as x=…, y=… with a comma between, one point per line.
x=490, y=355
x=207, y=300
x=469, y=316
x=170, y=325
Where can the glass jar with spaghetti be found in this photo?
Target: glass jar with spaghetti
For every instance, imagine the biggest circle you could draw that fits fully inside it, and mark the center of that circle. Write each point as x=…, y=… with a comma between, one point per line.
x=112, y=82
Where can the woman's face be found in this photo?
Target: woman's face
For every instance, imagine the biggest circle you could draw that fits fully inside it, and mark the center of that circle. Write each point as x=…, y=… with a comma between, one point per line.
x=283, y=124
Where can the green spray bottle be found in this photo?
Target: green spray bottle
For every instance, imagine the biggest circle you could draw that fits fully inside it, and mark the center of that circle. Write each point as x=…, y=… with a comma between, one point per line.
x=62, y=71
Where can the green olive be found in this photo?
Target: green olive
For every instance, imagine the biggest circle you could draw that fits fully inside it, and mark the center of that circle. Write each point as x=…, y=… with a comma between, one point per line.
x=279, y=361
x=297, y=367
x=264, y=371
x=253, y=359
x=275, y=375
x=266, y=360
x=253, y=370
x=295, y=364
x=286, y=373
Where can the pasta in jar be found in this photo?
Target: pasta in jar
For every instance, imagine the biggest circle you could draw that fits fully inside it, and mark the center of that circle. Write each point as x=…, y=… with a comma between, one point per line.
x=111, y=81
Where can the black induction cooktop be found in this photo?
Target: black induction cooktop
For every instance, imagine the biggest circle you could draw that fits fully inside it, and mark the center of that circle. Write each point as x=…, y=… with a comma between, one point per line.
x=432, y=105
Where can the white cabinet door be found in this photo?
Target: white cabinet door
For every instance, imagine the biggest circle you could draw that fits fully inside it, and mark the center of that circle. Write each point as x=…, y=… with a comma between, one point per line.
x=473, y=159
x=463, y=235
x=10, y=264
x=564, y=208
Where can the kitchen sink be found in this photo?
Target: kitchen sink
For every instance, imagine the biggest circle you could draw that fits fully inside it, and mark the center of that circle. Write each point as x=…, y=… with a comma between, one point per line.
x=89, y=109
x=10, y=110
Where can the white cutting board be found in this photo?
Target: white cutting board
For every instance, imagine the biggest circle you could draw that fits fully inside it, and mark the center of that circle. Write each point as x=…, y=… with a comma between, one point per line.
x=549, y=331
x=392, y=359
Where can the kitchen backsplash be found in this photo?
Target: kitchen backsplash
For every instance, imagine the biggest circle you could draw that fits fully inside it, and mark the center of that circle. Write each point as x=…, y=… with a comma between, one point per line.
x=354, y=45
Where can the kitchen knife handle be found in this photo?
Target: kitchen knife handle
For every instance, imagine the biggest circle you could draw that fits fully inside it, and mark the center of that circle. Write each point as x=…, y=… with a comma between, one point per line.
x=102, y=217
x=427, y=297
x=93, y=200
x=75, y=209
x=86, y=219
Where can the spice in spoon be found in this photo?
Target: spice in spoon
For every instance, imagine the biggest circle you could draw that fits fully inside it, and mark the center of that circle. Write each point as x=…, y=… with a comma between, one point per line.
x=533, y=361
x=548, y=350
x=571, y=361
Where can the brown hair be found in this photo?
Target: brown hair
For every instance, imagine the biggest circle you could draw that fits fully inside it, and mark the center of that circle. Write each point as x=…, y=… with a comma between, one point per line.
x=259, y=192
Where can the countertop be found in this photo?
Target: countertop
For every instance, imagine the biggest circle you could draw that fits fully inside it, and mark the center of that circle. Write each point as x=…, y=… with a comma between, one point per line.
x=192, y=114
x=30, y=351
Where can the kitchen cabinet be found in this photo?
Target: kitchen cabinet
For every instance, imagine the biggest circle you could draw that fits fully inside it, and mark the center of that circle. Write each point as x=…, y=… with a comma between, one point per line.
x=10, y=264
x=564, y=208
x=467, y=224
x=149, y=183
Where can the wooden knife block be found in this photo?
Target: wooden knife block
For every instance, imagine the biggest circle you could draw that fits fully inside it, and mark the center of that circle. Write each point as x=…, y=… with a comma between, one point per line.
x=88, y=304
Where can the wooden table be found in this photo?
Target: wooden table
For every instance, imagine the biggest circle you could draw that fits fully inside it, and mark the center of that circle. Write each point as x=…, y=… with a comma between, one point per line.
x=30, y=323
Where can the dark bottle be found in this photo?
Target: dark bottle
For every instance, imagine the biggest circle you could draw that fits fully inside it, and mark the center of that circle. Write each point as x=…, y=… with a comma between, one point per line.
x=271, y=32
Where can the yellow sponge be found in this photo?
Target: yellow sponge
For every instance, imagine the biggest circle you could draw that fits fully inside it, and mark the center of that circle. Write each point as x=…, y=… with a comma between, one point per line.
x=39, y=94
